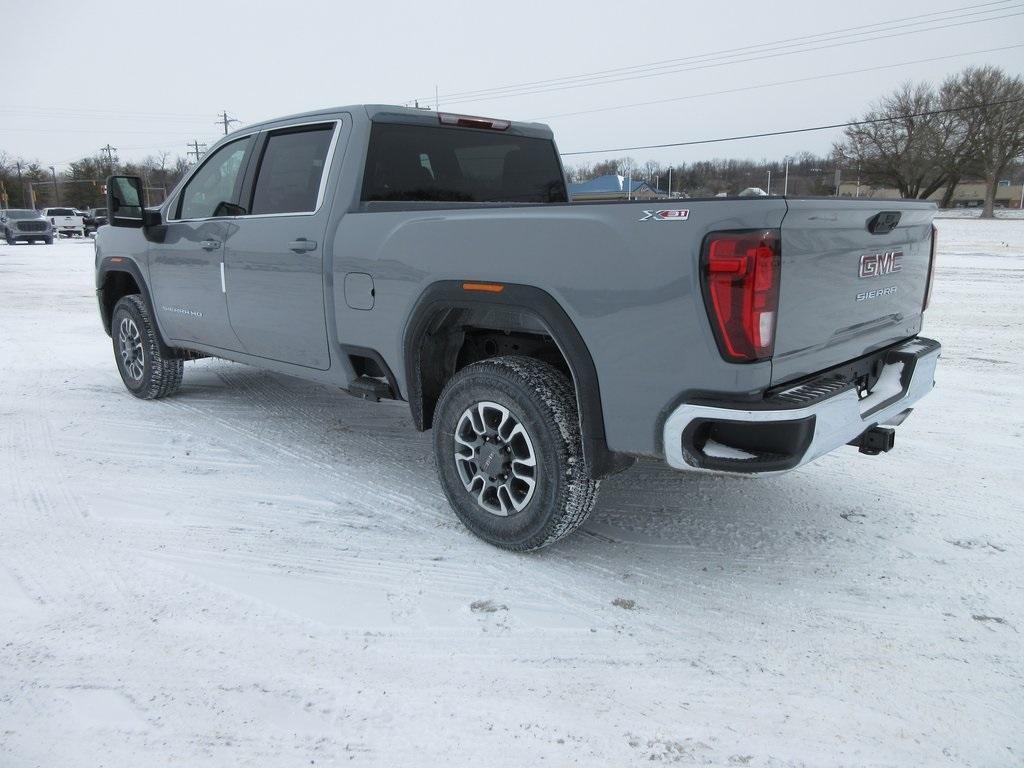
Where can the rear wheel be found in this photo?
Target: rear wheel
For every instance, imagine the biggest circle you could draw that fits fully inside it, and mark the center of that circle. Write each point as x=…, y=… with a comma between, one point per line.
x=144, y=369
x=509, y=454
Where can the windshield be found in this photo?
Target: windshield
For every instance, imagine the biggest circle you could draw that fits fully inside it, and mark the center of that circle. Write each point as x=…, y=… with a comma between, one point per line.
x=18, y=213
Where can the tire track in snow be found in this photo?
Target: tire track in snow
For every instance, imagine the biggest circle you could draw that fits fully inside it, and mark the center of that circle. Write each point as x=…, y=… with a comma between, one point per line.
x=291, y=434
x=46, y=507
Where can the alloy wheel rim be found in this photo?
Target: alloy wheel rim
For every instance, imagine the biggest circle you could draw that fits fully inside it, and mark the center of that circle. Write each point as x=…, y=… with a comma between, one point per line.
x=130, y=346
x=495, y=458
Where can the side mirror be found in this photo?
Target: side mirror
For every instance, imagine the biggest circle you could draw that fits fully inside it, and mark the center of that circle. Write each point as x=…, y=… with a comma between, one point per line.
x=126, y=201
x=228, y=209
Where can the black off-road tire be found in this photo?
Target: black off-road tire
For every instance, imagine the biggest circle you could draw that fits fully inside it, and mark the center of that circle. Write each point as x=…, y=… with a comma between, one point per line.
x=48, y=241
x=159, y=375
x=542, y=400
x=10, y=239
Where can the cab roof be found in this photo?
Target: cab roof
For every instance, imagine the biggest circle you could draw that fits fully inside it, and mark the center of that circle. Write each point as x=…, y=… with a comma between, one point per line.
x=390, y=113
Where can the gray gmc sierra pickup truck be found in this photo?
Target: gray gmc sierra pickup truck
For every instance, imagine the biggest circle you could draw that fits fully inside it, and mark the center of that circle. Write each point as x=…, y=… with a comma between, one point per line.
x=436, y=258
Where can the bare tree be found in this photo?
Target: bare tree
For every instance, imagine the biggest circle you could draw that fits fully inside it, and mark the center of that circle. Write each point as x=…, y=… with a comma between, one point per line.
x=992, y=105
x=898, y=144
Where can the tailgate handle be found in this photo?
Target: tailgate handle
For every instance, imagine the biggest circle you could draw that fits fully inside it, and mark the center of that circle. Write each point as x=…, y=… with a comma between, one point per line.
x=883, y=222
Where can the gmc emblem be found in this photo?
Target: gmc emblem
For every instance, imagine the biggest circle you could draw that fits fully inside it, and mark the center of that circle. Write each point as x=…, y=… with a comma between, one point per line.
x=878, y=264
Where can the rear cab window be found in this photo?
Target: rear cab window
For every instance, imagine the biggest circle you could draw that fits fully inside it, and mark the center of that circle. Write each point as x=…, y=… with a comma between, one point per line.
x=437, y=163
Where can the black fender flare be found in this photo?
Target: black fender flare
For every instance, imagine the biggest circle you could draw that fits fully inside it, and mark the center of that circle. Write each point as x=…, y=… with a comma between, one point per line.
x=114, y=264
x=449, y=294
x=111, y=264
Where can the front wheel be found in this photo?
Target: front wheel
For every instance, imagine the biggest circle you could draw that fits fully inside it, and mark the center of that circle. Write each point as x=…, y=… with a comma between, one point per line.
x=146, y=372
x=509, y=454
x=10, y=239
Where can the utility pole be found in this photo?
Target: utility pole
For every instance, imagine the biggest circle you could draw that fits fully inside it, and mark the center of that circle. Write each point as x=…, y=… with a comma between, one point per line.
x=197, y=149
x=225, y=120
x=437, y=105
x=110, y=157
x=785, y=184
x=769, y=182
x=21, y=184
x=53, y=172
x=670, y=181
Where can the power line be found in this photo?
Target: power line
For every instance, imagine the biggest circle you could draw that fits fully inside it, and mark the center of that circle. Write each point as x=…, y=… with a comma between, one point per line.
x=742, y=88
x=747, y=49
x=84, y=130
x=741, y=49
x=86, y=111
x=718, y=59
x=792, y=130
x=717, y=64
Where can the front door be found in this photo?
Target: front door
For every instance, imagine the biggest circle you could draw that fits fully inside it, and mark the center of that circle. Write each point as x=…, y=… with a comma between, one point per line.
x=274, y=258
x=186, y=268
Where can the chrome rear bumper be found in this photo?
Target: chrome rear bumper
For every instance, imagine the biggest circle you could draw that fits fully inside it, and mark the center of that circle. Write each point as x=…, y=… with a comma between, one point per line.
x=782, y=433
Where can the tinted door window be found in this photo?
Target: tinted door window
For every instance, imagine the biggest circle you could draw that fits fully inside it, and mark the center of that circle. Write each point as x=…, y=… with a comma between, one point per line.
x=288, y=180
x=215, y=183
x=412, y=162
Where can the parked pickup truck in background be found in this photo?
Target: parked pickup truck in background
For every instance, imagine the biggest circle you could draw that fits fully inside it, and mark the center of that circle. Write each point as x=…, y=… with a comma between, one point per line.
x=435, y=258
x=65, y=221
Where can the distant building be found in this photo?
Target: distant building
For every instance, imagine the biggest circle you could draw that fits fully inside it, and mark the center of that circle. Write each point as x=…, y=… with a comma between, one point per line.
x=968, y=194
x=612, y=187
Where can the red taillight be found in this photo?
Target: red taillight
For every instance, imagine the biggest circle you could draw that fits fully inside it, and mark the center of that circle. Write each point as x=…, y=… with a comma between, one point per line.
x=468, y=121
x=741, y=291
x=931, y=268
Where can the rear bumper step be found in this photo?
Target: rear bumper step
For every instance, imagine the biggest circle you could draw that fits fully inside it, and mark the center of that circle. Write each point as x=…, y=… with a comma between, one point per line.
x=800, y=423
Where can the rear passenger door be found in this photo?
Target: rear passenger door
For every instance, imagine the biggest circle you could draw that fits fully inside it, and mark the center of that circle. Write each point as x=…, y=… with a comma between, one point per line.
x=274, y=255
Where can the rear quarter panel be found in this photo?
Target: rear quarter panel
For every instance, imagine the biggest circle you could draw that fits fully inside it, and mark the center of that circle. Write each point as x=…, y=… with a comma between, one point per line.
x=631, y=287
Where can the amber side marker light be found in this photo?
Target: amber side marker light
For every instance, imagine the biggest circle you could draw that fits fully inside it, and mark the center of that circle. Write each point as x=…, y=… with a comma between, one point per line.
x=483, y=287
x=117, y=259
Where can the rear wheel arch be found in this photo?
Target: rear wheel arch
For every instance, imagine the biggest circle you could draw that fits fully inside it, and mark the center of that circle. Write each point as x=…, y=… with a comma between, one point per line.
x=447, y=320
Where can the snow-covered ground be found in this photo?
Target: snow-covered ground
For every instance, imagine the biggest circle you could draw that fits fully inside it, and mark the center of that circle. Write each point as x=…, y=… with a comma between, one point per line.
x=261, y=572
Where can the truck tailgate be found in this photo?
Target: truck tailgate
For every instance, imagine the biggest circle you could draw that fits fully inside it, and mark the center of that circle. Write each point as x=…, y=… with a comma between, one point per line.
x=847, y=291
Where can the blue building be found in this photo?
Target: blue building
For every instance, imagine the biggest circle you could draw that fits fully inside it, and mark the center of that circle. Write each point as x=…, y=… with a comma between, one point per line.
x=612, y=187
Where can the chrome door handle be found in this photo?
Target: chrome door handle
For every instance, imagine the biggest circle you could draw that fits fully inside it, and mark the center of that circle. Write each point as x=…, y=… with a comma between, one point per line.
x=210, y=245
x=302, y=244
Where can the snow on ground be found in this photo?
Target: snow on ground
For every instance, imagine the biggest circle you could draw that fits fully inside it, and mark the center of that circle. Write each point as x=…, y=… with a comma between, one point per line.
x=261, y=571
x=975, y=213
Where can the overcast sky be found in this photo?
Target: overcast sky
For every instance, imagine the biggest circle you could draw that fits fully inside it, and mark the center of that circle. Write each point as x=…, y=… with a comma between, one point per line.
x=155, y=78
